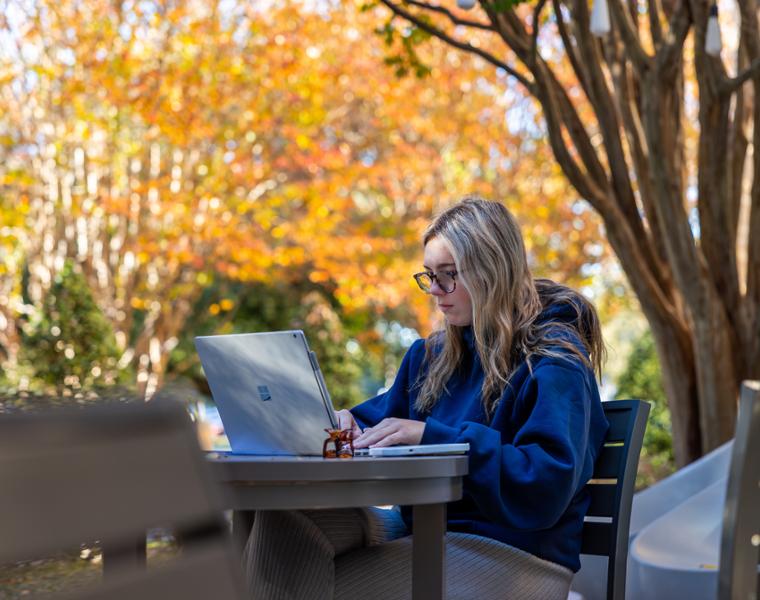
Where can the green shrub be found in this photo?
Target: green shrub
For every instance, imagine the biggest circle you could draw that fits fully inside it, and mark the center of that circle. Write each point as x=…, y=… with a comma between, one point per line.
x=642, y=379
x=234, y=307
x=69, y=344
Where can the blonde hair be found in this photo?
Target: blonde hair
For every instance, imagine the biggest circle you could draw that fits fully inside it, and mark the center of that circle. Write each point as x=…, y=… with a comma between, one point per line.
x=488, y=249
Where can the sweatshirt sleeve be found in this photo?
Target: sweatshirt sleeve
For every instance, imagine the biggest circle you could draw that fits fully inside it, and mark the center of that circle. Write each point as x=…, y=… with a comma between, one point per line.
x=528, y=484
x=396, y=401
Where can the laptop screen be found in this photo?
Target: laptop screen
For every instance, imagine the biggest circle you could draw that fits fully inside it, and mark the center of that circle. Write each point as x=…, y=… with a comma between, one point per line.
x=268, y=390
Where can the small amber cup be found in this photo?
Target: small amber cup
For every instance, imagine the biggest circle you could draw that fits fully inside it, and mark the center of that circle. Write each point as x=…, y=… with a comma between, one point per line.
x=342, y=442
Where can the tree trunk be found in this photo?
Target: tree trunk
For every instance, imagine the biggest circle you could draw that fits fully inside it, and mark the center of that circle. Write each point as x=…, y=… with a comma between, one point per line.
x=679, y=378
x=641, y=173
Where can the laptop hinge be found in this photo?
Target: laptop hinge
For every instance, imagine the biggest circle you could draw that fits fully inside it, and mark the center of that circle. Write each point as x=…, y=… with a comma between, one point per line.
x=322, y=388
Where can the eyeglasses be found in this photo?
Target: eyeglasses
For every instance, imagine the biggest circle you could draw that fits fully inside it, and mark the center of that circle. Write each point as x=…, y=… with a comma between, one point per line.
x=446, y=280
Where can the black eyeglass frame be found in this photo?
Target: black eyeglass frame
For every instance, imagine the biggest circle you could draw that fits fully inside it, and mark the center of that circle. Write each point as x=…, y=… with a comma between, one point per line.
x=434, y=277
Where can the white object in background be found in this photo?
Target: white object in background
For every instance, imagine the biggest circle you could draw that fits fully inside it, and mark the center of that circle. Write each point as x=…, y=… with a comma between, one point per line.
x=713, y=42
x=466, y=4
x=600, y=18
x=682, y=511
x=662, y=497
x=676, y=556
x=648, y=506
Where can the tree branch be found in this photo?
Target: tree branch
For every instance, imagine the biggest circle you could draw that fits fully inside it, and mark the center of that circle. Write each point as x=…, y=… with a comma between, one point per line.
x=654, y=8
x=619, y=233
x=731, y=85
x=581, y=71
x=686, y=258
x=716, y=231
x=632, y=126
x=534, y=34
x=585, y=185
x=671, y=53
x=738, y=142
x=608, y=114
x=751, y=301
x=452, y=17
x=434, y=31
x=604, y=107
x=630, y=36
x=753, y=279
x=510, y=29
x=577, y=130
x=514, y=35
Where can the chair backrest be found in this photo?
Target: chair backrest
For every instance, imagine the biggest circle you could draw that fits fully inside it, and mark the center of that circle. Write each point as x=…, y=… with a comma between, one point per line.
x=740, y=539
x=109, y=473
x=605, y=530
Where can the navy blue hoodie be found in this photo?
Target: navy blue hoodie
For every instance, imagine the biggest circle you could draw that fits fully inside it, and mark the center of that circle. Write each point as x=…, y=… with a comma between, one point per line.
x=528, y=465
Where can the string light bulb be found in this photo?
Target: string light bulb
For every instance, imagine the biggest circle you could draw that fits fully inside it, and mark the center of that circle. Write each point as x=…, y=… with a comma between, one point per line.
x=600, y=18
x=466, y=4
x=713, y=42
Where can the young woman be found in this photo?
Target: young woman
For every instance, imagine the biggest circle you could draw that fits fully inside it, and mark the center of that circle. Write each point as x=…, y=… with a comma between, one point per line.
x=512, y=373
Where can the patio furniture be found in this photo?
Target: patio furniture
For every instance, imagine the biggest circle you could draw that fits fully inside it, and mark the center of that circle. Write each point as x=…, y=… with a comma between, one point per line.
x=108, y=473
x=306, y=482
x=605, y=530
x=738, y=577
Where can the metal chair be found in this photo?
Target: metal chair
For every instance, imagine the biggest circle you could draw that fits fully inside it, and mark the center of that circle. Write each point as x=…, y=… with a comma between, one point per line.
x=605, y=530
x=109, y=473
x=738, y=577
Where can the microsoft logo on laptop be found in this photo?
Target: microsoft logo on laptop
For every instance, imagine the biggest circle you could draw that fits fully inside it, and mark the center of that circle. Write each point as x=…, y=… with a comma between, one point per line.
x=264, y=392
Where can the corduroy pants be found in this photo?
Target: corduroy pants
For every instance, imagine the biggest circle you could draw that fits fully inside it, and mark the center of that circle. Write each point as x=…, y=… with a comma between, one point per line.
x=365, y=554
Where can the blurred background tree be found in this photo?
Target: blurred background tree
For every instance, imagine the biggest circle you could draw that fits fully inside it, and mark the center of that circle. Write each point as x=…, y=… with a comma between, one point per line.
x=231, y=307
x=69, y=343
x=165, y=147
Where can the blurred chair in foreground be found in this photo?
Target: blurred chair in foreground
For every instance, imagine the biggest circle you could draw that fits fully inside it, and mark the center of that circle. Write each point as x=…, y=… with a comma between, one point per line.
x=109, y=473
x=738, y=577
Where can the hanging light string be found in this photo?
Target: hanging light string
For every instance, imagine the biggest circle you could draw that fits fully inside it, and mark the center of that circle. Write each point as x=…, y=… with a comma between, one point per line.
x=600, y=18
x=600, y=25
x=713, y=42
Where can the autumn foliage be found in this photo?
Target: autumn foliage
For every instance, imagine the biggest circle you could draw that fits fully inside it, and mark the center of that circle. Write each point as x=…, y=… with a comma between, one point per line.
x=163, y=146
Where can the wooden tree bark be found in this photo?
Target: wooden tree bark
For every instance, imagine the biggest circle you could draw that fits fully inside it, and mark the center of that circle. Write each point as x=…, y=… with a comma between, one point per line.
x=672, y=214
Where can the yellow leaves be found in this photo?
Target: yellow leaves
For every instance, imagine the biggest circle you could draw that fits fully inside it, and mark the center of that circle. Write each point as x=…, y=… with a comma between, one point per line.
x=7, y=74
x=321, y=161
x=554, y=185
x=237, y=67
x=224, y=305
x=319, y=276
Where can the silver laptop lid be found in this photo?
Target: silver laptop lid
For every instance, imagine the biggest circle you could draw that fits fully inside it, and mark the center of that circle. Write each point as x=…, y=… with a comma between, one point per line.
x=269, y=392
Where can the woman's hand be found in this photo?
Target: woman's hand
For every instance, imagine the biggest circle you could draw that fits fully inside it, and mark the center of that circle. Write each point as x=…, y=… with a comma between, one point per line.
x=390, y=432
x=346, y=421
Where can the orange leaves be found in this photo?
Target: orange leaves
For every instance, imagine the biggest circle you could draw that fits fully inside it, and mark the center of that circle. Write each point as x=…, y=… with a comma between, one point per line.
x=268, y=145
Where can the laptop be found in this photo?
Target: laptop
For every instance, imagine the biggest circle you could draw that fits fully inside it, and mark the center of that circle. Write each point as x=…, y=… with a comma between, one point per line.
x=272, y=398
x=418, y=450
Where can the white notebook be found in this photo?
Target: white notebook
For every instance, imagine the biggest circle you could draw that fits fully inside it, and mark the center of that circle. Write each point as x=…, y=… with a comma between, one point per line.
x=421, y=450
